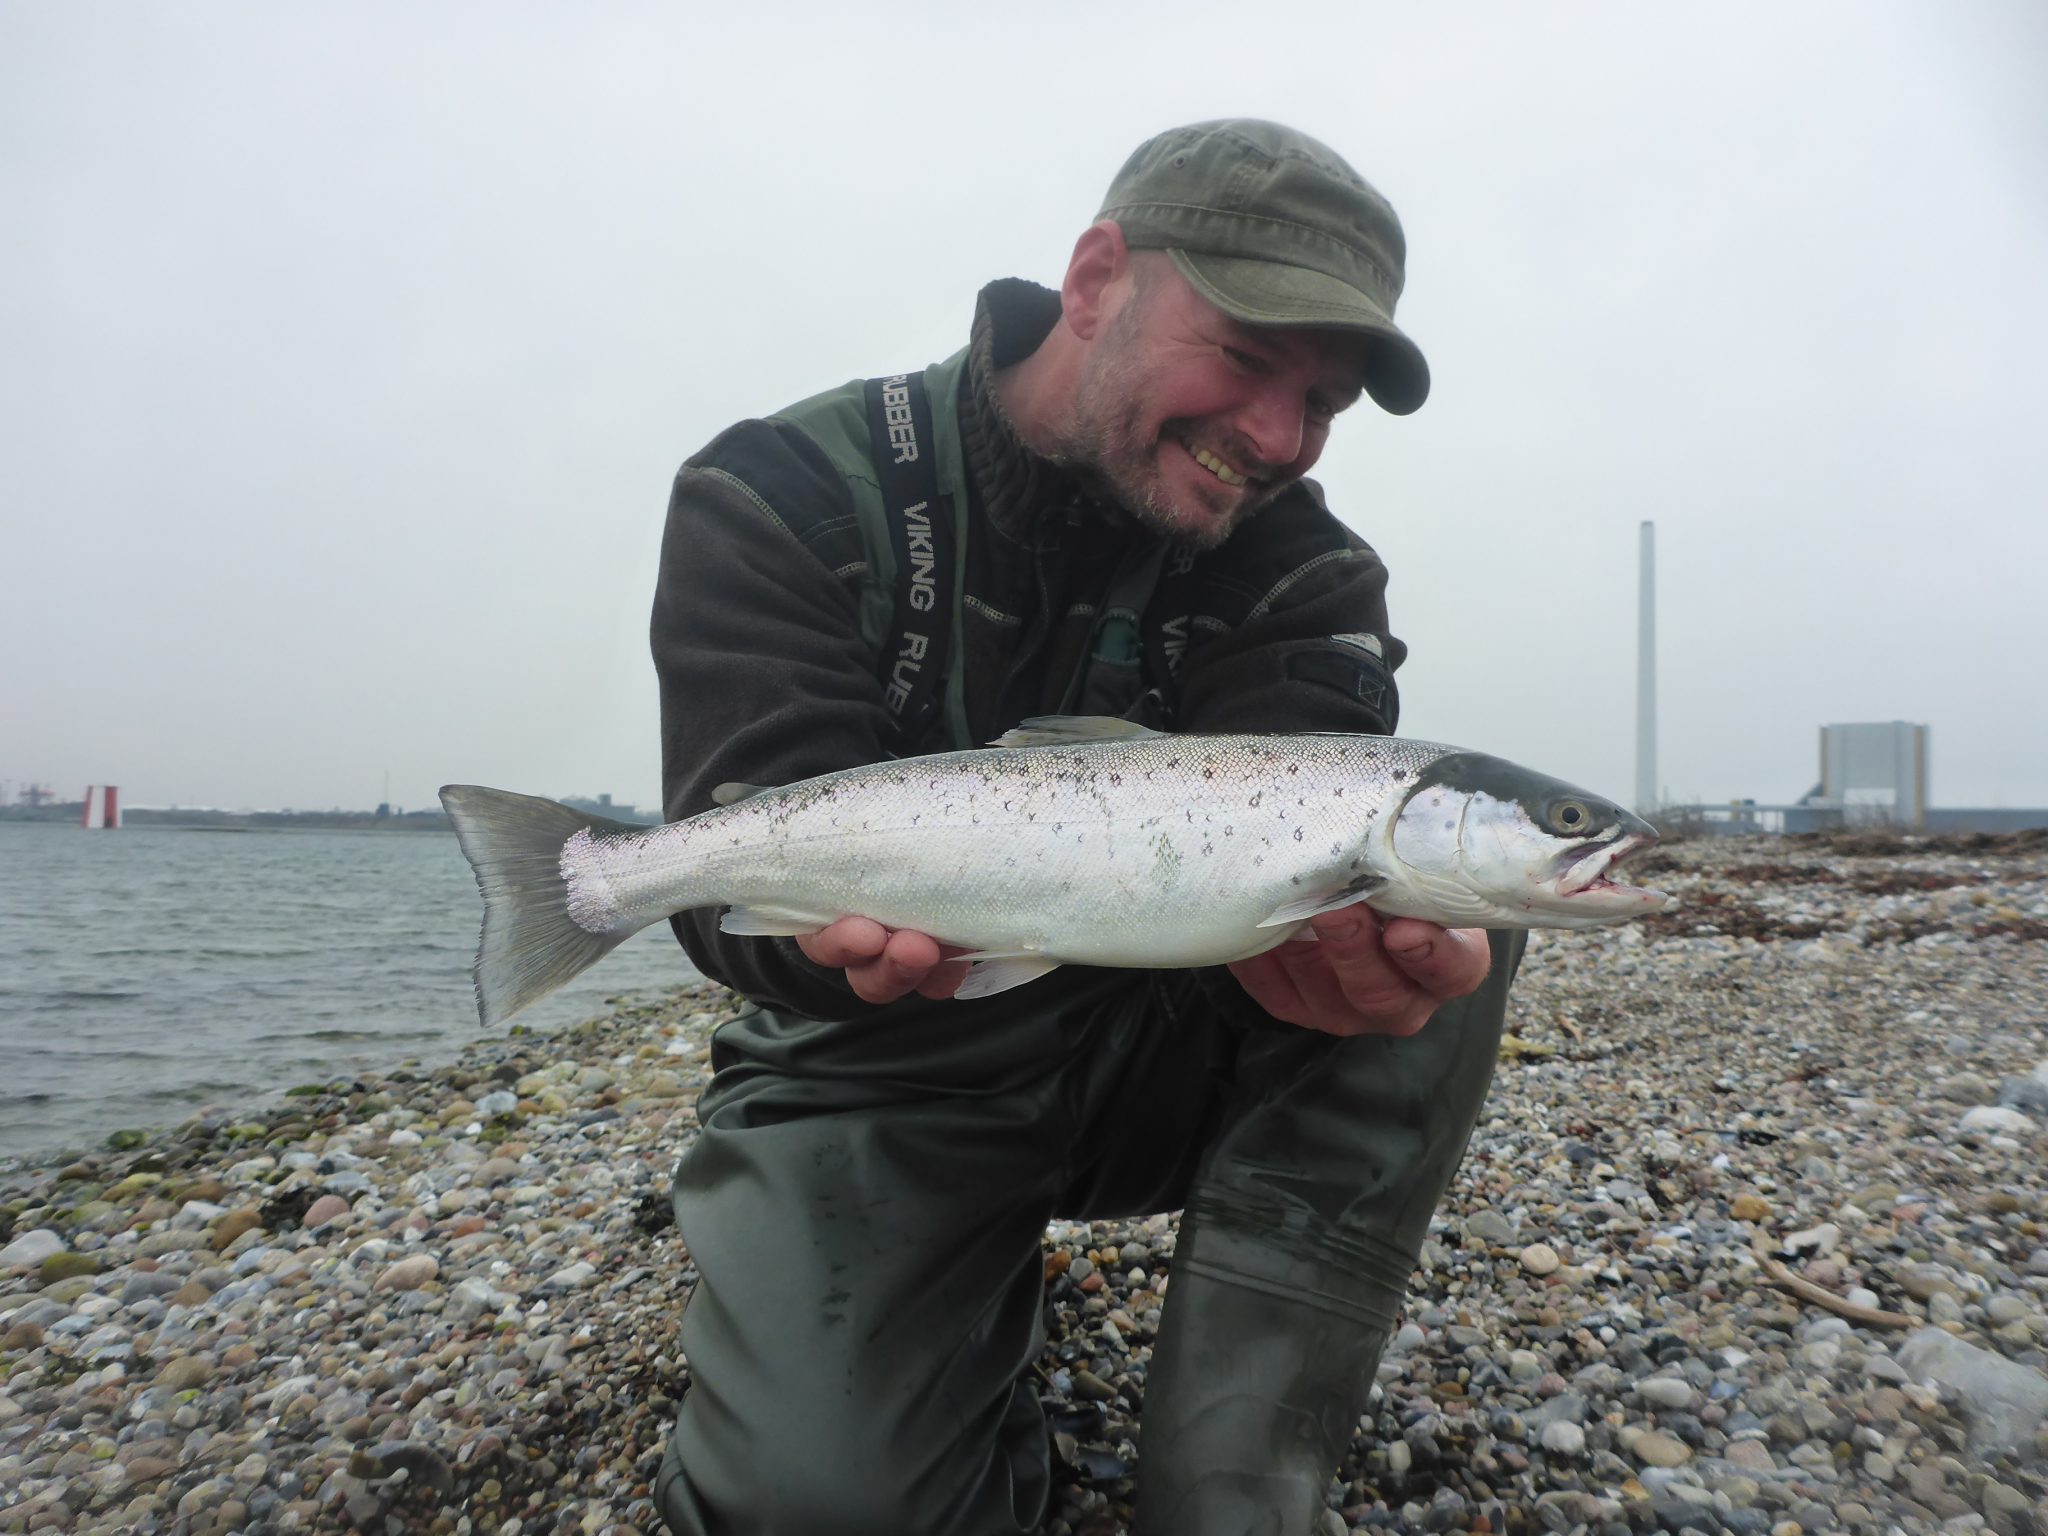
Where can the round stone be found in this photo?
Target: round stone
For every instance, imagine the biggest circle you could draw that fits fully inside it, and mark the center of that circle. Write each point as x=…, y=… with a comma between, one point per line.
x=1654, y=1448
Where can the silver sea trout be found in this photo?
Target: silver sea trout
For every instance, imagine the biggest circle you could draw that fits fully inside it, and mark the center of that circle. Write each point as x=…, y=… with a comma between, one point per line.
x=1070, y=841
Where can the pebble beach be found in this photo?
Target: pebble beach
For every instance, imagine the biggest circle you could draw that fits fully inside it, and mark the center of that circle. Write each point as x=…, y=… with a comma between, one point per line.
x=1752, y=1237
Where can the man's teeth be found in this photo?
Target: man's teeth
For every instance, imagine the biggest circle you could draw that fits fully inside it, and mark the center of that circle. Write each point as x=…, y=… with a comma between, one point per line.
x=1218, y=468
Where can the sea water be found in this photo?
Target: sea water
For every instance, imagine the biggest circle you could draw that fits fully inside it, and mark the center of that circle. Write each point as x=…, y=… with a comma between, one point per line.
x=148, y=972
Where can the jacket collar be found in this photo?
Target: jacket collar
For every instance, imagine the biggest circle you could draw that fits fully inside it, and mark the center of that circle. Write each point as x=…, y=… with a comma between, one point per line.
x=1024, y=494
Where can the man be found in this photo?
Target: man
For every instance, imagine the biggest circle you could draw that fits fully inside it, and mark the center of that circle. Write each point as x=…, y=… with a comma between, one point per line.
x=1122, y=463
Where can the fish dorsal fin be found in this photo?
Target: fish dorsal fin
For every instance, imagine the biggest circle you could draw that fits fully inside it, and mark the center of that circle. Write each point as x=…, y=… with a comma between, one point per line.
x=1364, y=888
x=732, y=794
x=1071, y=730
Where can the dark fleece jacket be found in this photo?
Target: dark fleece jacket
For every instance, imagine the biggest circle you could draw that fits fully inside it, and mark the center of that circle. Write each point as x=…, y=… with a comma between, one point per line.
x=765, y=679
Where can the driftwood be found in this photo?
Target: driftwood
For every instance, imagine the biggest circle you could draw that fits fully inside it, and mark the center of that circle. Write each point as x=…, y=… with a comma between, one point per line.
x=1820, y=1296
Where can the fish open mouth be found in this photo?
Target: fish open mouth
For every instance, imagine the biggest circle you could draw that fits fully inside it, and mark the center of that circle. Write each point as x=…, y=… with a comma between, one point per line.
x=1592, y=876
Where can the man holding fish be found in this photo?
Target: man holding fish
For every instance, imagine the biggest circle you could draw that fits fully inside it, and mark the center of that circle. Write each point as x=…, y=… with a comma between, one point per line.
x=1096, y=509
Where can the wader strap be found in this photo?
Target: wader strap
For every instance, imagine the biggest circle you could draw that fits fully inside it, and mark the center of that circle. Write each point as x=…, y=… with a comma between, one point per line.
x=914, y=657
x=1168, y=613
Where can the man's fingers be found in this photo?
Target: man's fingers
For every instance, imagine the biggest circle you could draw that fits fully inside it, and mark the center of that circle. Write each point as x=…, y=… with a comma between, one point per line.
x=881, y=964
x=849, y=941
x=1354, y=949
x=1443, y=962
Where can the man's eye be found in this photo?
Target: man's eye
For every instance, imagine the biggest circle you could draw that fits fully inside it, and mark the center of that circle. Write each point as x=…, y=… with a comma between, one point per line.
x=1244, y=360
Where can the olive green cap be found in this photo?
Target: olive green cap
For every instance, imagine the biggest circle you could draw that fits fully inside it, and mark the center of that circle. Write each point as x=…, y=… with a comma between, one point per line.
x=1273, y=228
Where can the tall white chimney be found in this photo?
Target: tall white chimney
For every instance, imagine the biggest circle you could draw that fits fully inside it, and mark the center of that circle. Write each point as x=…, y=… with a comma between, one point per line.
x=1646, y=675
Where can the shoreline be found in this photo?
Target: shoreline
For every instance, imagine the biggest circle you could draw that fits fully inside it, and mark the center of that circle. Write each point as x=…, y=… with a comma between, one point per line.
x=349, y=1308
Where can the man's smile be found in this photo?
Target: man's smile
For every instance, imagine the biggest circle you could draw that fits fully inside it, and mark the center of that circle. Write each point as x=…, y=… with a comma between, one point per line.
x=1214, y=464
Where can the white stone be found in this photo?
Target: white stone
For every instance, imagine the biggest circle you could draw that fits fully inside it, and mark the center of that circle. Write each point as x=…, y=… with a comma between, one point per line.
x=2002, y=1401
x=1665, y=1392
x=30, y=1249
x=1563, y=1439
x=1998, y=1122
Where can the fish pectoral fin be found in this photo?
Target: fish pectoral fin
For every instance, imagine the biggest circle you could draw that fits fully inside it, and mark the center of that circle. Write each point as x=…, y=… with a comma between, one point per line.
x=783, y=921
x=732, y=794
x=1364, y=888
x=985, y=978
x=1068, y=730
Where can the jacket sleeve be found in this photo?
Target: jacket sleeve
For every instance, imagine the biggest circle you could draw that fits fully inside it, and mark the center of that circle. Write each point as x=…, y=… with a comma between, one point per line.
x=1290, y=630
x=763, y=675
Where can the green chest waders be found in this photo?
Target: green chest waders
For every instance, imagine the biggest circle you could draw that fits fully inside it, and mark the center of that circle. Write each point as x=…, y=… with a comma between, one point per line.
x=866, y=1198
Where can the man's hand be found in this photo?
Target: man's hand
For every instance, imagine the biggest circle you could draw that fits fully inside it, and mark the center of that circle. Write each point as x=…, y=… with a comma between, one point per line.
x=1363, y=976
x=883, y=964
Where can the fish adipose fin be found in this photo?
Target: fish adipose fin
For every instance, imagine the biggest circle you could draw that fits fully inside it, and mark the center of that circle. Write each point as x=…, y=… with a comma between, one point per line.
x=1362, y=889
x=732, y=794
x=1071, y=730
x=985, y=978
x=530, y=945
x=782, y=922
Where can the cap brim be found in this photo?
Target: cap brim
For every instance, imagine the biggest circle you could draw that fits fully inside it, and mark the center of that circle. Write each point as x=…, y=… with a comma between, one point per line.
x=1273, y=293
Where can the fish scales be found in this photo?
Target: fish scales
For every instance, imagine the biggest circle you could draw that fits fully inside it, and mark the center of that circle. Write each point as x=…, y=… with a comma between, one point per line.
x=1087, y=841
x=1151, y=851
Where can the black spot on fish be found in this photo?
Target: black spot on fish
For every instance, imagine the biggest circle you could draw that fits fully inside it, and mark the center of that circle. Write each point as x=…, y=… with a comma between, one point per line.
x=1255, y=799
x=1297, y=834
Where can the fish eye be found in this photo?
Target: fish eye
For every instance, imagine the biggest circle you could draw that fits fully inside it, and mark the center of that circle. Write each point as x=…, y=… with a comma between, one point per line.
x=1571, y=817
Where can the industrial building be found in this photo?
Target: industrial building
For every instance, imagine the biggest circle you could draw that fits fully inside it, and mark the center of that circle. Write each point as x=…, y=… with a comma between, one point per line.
x=1872, y=774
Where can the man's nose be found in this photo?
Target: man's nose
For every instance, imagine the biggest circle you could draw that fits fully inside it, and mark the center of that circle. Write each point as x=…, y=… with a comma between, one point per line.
x=1273, y=426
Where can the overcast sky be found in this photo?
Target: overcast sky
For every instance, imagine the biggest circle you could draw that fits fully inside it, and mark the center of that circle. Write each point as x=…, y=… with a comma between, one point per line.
x=346, y=355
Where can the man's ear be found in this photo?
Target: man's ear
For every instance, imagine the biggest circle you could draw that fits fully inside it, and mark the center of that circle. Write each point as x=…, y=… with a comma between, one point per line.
x=1100, y=258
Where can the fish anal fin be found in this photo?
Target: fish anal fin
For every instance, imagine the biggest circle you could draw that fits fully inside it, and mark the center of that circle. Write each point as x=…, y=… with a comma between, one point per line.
x=732, y=794
x=985, y=978
x=765, y=919
x=1364, y=888
x=1071, y=730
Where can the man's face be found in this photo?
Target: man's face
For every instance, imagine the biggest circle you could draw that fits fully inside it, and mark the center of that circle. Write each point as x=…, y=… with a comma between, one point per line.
x=1191, y=420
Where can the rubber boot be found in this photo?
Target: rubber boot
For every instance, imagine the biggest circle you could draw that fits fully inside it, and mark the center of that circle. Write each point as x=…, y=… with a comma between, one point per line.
x=1245, y=1422
x=1295, y=1250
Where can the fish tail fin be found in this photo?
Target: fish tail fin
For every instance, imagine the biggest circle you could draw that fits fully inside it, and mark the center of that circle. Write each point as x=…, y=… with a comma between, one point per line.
x=531, y=944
